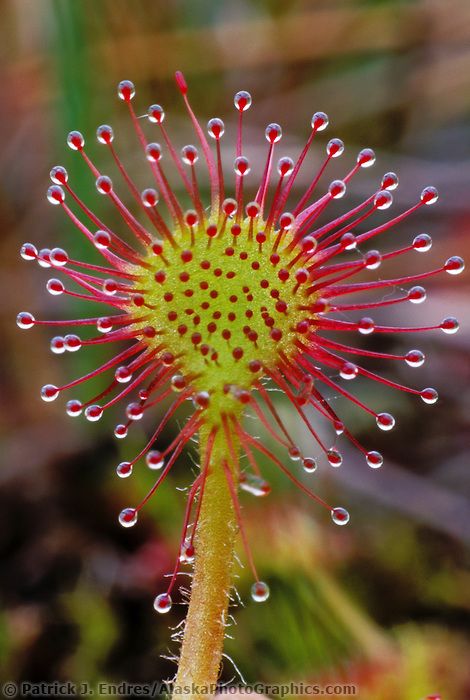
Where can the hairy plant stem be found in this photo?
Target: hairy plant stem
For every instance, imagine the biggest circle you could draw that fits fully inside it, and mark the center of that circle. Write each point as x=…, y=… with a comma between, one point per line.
x=201, y=651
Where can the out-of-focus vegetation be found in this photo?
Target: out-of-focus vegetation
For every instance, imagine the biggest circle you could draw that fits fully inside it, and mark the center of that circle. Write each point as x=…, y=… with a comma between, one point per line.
x=383, y=603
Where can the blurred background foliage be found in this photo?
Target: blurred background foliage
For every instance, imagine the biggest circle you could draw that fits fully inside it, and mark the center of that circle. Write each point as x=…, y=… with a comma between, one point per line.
x=385, y=602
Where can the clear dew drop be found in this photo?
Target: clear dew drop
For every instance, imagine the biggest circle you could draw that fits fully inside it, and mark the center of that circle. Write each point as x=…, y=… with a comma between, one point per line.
x=134, y=411
x=454, y=265
x=105, y=134
x=191, y=217
x=189, y=154
x=339, y=427
x=390, y=181
x=123, y=470
x=415, y=358
x=449, y=325
x=162, y=603
x=72, y=342
x=254, y=484
x=75, y=140
x=120, y=431
x=93, y=413
x=58, y=345
x=201, y=399
x=229, y=206
x=417, y=295
x=429, y=195
x=126, y=90
x=49, y=392
x=25, y=320
x=123, y=375
x=348, y=241
x=59, y=257
x=349, y=371
x=372, y=259
x=286, y=221
x=385, y=421
x=154, y=459
x=309, y=464
x=422, y=243
x=187, y=553
x=429, y=395
x=335, y=148
x=241, y=166
x=242, y=100
x=319, y=121
x=55, y=287
x=55, y=195
x=167, y=359
x=383, y=200
x=149, y=197
x=43, y=258
x=128, y=517
x=102, y=240
x=294, y=453
x=156, y=114
x=337, y=189
x=340, y=516
x=215, y=128
x=153, y=152
x=273, y=133
x=28, y=251
x=285, y=166
x=104, y=184
x=73, y=408
x=178, y=382
x=334, y=457
x=104, y=324
x=366, y=326
x=260, y=591
x=374, y=459
x=59, y=175
x=366, y=158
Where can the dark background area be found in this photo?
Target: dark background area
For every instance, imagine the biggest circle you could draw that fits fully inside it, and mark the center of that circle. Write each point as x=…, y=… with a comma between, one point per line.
x=383, y=603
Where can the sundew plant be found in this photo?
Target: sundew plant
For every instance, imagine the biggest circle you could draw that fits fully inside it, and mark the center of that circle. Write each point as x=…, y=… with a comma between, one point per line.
x=219, y=304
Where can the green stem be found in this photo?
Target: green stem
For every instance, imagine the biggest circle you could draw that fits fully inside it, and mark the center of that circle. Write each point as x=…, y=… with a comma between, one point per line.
x=201, y=651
